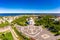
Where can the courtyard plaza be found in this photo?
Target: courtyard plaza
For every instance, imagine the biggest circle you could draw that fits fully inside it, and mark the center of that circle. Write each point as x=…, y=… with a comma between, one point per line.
x=33, y=31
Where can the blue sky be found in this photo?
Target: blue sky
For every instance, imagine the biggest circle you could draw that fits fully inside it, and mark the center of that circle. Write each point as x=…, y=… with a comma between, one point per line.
x=29, y=6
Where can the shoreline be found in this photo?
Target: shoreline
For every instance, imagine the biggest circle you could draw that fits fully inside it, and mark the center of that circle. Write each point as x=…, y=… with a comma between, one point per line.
x=18, y=14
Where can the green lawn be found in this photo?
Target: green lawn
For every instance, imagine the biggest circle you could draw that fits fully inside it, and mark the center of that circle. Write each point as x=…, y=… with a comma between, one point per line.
x=6, y=36
x=4, y=24
x=21, y=21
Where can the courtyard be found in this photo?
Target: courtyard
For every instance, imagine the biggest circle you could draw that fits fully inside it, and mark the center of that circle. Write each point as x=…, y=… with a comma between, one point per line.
x=37, y=32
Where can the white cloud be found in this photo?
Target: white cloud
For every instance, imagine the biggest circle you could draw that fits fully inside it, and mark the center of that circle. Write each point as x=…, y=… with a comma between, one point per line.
x=3, y=10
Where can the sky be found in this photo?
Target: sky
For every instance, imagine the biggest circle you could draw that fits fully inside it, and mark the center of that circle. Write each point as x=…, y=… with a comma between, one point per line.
x=29, y=6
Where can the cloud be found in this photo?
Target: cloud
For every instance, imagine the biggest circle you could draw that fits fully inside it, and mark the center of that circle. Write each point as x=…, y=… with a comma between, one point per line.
x=3, y=10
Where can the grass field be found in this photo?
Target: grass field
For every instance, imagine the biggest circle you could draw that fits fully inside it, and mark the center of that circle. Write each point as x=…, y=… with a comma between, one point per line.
x=6, y=36
x=4, y=24
x=21, y=21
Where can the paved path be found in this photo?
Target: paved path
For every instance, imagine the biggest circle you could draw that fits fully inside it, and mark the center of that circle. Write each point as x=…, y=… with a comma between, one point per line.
x=4, y=29
x=13, y=33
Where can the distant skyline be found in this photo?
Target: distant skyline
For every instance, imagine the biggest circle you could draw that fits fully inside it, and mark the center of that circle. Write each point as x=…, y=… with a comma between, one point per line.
x=29, y=6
